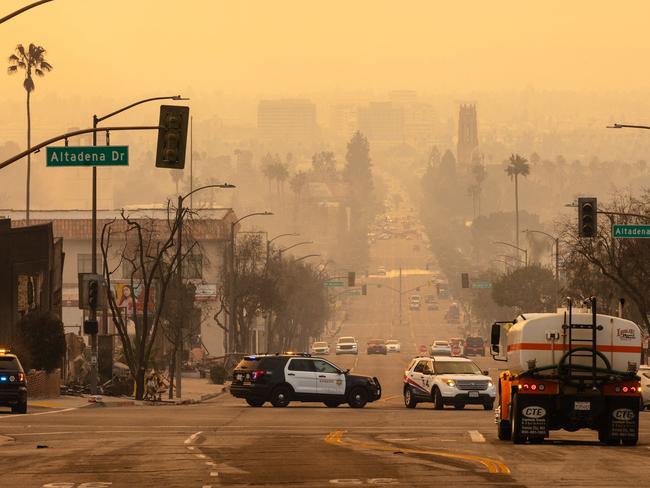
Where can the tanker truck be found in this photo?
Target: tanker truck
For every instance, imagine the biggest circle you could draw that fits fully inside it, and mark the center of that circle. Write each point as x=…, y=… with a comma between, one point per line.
x=571, y=370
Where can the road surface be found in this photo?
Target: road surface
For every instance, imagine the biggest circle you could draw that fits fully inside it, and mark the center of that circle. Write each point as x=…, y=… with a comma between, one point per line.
x=226, y=443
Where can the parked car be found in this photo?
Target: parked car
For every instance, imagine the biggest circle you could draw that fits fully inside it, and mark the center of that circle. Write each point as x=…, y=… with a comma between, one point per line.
x=13, y=386
x=474, y=346
x=440, y=348
x=320, y=348
x=376, y=346
x=393, y=345
x=347, y=345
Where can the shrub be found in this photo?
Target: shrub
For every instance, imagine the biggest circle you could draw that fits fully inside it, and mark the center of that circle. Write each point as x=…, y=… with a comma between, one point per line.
x=41, y=341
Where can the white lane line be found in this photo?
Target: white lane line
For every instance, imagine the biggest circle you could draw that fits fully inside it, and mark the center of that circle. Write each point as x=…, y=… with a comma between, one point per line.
x=38, y=413
x=209, y=463
x=193, y=437
x=201, y=456
x=476, y=436
x=214, y=473
x=190, y=448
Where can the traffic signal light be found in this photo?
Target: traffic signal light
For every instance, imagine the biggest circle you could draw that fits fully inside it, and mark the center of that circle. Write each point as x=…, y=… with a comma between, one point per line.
x=93, y=294
x=351, y=278
x=364, y=289
x=464, y=279
x=587, y=216
x=91, y=327
x=172, y=136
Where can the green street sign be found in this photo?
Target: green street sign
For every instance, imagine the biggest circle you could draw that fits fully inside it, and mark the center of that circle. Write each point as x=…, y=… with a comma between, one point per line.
x=331, y=284
x=481, y=284
x=622, y=231
x=63, y=156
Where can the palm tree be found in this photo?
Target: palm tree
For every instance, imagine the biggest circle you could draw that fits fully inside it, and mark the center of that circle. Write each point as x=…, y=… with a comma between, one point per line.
x=517, y=165
x=33, y=62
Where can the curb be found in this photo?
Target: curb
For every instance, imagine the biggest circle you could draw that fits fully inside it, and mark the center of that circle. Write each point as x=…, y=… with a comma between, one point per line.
x=203, y=398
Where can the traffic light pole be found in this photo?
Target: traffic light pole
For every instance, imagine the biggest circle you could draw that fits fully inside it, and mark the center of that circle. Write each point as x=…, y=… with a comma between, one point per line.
x=181, y=291
x=93, y=310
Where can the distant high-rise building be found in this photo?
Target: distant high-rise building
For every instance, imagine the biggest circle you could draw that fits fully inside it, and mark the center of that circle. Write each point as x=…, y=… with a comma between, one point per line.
x=287, y=119
x=467, y=134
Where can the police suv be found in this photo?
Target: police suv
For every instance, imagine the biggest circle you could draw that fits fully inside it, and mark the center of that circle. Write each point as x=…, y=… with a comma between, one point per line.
x=282, y=378
x=13, y=388
x=446, y=380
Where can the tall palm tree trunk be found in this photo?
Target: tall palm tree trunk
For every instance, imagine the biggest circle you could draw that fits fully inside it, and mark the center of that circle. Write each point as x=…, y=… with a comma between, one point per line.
x=517, y=215
x=29, y=157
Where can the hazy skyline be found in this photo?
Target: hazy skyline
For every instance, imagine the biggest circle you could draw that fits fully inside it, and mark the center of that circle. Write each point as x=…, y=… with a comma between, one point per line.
x=288, y=46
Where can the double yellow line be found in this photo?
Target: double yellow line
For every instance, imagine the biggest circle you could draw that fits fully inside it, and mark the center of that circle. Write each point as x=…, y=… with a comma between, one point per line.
x=492, y=465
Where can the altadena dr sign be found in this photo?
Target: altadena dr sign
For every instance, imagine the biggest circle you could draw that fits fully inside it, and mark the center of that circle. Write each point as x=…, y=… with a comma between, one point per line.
x=62, y=156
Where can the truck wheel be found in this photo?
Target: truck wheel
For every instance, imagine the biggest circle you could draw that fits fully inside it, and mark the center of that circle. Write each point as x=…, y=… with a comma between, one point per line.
x=488, y=406
x=409, y=398
x=281, y=396
x=517, y=437
x=630, y=442
x=358, y=398
x=459, y=406
x=331, y=404
x=438, y=402
x=504, y=430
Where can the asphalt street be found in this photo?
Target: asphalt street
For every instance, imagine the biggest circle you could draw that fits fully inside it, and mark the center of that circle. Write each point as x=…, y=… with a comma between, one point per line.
x=224, y=442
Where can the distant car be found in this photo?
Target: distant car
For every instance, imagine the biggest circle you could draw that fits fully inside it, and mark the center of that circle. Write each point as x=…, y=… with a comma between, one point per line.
x=414, y=302
x=381, y=271
x=347, y=345
x=429, y=299
x=13, y=385
x=283, y=378
x=433, y=306
x=393, y=345
x=320, y=348
x=644, y=374
x=376, y=346
x=440, y=348
x=474, y=346
x=452, y=315
x=447, y=381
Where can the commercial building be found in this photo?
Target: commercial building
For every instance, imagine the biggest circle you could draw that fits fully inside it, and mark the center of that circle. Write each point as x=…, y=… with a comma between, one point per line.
x=208, y=227
x=287, y=120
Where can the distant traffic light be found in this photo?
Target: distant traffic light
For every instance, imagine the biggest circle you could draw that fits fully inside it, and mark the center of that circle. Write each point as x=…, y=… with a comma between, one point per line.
x=93, y=294
x=464, y=279
x=172, y=136
x=587, y=216
x=364, y=289
x=352, y=276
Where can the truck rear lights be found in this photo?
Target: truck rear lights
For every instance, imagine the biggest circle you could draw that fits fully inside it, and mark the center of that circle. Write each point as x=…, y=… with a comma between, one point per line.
x=533, y=387
x=541, y=387
x=625, y=389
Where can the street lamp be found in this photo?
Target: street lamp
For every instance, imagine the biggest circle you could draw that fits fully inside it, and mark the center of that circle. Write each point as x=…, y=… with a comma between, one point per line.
x=628, y=126
x=269, y=241
x=93, y=312
x=306, y=257
x=179, y=270
x=232, y=316
x=525, y=251
x=557, y=261
x=21, y=10
x=294, y=245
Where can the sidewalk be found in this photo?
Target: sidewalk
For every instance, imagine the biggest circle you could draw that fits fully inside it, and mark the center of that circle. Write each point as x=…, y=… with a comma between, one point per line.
x=194, y=390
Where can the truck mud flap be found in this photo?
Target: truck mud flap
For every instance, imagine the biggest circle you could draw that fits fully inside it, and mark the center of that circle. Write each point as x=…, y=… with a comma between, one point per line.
x=622, y=421
x=532, y=416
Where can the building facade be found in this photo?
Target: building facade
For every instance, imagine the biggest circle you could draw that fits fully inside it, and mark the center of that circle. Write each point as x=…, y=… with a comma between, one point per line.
x=205, y=267
x=31, y=264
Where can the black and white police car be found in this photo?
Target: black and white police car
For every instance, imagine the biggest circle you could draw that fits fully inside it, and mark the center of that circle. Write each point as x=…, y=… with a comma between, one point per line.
x=13, y=388
x=282, y=378
x=446, y=380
